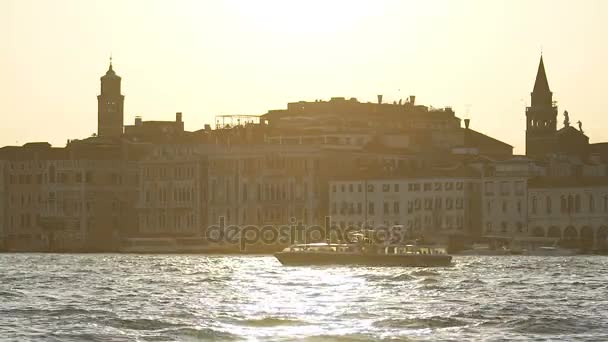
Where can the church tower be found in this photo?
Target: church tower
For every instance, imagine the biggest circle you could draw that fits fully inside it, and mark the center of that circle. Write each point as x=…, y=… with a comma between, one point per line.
x=110, y=106
x=541, y=117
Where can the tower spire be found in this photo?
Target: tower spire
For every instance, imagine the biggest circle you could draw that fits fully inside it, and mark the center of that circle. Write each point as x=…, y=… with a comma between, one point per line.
x=541, y=85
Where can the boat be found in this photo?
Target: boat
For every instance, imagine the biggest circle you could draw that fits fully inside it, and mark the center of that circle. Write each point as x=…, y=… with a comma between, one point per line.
x=486, y=249
x=325, y=253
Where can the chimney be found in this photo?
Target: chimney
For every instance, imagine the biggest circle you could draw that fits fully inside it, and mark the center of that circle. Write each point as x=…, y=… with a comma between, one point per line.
x=138, y=121
x=178, y=117
x=379, y=99
x=466, y=123
x=412, y=99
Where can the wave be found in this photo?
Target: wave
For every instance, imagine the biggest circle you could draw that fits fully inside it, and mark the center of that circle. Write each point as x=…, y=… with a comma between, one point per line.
x=11, y=294
x=140, y=324
x=200, y=334
x=429, y=281
x=339, y=338
x=424, y=273
x=434, y=322
x=270, y=322
x=402, y=277
x=553, y=325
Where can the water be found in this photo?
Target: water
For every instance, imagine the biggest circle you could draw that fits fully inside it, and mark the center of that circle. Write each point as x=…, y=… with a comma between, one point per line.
x=106, y=297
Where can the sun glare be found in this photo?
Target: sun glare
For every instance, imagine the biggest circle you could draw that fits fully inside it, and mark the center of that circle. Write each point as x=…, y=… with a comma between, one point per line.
x=303, y=17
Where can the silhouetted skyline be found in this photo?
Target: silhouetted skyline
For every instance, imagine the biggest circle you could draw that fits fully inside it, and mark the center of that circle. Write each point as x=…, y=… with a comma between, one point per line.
x=206, y=59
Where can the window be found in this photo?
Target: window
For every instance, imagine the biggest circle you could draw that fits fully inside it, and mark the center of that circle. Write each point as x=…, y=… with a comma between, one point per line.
x=518, y=206
x=504, y=206
x=370, y=208
x=503, y=227
x=577, y=203
x=591, y=203
x=333, y=188
x=459, y=186
x=438, y=202
x=448, y=203
x=359, y=208
x=504, y=188
x=548, y=204
x=438, y=186
x=459, y=203
x=359, y=188
x=449, y=185
x=564, y=205
x=396, y=187
x=428, y=203
x=396, y=207
x=370, y=188
x=350, y=187
x=333, y=208
x=534, y=204
x=428, y=186
x=519, y=188
x=386, y=211
x=386, y=187
x=489, y=188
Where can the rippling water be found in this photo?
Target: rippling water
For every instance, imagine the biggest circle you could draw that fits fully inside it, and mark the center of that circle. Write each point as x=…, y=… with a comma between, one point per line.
x=107, y=297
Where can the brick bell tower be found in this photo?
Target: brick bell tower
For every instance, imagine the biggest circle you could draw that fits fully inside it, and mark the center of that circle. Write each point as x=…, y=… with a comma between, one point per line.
x=541, y=117
x=110, y=117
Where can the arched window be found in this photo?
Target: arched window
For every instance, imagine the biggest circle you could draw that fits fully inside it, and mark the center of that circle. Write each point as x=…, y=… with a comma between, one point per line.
x=534, y=205
x=564, y=205
x=548, y=204
x=577, y=203
x=591, y=203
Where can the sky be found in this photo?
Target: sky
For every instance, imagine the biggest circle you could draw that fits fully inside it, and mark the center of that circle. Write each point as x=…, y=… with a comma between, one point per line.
x=208, y=58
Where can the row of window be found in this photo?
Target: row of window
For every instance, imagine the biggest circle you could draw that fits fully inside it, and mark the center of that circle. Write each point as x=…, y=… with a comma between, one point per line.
x=505, y=188
x=570, y=204
x=504, y=205
x=436, y=186
x=430, y=222
x=262, y=192
x=394, y=207
x=169, y=172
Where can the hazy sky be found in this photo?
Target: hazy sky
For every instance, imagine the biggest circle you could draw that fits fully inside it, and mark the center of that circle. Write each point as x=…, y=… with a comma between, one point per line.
x=206, y=58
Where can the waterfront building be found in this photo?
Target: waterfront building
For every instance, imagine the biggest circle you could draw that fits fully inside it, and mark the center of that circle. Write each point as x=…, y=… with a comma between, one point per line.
x=504, y=195
x=434, y=203
x=75, y=198
x=573, y=210
x=172, y=191
x=264, y=184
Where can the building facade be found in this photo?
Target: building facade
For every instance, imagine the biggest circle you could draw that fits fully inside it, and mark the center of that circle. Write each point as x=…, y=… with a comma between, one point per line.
x=571, y=210
x=435, y=207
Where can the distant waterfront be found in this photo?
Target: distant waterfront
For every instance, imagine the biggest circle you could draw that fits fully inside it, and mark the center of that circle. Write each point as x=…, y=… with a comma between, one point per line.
x=192, y=297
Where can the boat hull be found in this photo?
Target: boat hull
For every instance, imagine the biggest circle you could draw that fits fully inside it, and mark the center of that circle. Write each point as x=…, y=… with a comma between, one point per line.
x=407, y=260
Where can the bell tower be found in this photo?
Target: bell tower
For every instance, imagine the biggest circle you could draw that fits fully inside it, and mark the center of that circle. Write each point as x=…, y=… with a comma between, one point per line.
x=110, y=117
x=541, y=117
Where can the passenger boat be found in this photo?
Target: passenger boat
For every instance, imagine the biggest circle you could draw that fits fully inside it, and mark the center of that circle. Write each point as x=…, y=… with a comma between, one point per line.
x=359, y=254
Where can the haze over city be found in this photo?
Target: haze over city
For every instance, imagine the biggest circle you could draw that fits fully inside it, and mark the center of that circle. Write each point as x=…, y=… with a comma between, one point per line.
x=244, y=57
